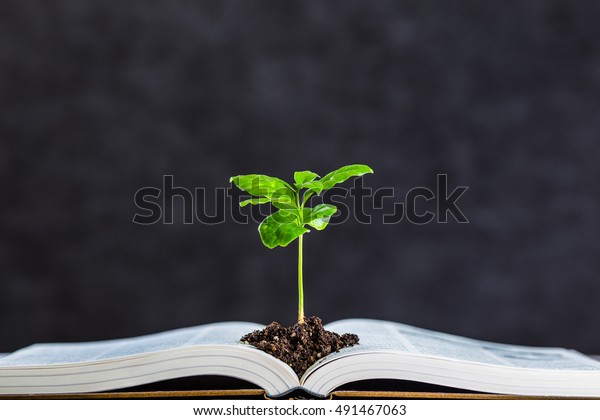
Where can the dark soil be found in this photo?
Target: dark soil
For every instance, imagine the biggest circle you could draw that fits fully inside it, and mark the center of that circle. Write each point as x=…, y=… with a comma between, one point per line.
x=300, y=345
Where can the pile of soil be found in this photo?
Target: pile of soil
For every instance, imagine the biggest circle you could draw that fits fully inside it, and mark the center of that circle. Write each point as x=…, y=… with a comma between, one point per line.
x=300, y=345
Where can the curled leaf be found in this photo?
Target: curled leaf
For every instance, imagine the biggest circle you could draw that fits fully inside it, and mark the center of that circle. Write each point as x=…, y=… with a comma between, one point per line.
x=262, y=185
x=284, y=199
x=279, y=229
x=302, y=177
x=314, y=186
x=318, y=217
x=261, y=200
x=342, y=174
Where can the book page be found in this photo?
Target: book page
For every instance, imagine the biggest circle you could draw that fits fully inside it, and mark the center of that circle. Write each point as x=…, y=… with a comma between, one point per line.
x=377, y=336
x=226, y=333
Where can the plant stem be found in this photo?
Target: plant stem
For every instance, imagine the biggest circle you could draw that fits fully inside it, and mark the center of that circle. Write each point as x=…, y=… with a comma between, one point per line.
x=300, y=285
x=300, y=208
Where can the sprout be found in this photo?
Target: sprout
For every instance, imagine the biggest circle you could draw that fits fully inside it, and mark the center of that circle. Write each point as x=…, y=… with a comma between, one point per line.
x=292, y=217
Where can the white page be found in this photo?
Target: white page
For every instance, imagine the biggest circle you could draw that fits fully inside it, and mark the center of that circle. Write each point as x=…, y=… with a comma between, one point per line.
x=226, y=333
x=388, y=336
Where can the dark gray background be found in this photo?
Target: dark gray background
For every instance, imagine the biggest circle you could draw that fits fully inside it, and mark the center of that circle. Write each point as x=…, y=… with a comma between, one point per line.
x=99, y=99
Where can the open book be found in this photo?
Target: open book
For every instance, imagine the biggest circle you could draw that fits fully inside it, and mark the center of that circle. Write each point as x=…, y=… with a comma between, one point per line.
x=387, y=350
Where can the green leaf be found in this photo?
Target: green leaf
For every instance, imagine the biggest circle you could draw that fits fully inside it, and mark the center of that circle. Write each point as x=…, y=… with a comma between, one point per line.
x=315, y=186
x=303, y=177
x=261, y=200
x=279, y=229
x=262, y=185
x=284, y=204
x=306, y=196
x=318, y=217
x=342, y=174
x=284, y=199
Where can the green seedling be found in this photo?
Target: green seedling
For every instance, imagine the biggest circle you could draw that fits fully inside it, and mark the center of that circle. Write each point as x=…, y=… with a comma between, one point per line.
x=292, y=217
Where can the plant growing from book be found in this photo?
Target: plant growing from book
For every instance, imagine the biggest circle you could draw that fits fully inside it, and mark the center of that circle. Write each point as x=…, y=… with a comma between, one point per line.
x=306, y=341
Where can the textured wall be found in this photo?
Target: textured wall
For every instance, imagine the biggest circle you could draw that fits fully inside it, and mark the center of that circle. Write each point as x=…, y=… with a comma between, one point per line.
x=99, y=99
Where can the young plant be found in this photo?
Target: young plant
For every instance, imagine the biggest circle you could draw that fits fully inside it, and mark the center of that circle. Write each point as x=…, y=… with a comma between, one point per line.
x=292, y=217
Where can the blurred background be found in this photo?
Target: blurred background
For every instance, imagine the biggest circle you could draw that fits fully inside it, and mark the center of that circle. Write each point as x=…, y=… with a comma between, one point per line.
x=99, y=99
